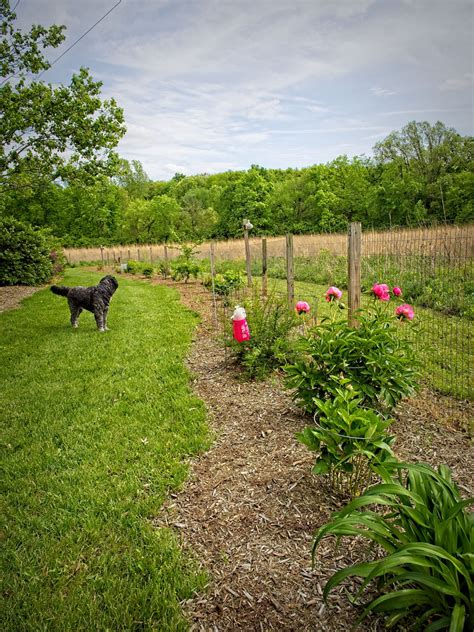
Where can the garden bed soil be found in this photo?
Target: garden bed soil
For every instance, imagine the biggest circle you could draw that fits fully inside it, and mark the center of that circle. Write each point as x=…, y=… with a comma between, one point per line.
x=250, y=508
x=11, y=296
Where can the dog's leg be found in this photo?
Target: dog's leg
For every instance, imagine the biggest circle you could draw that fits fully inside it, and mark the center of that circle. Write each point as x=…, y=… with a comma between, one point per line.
x=106, y=313
x=75, y=312
x=100, y=319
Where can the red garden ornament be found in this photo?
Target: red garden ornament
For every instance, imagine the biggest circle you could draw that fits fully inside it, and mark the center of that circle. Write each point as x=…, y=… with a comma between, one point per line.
x=241, y=328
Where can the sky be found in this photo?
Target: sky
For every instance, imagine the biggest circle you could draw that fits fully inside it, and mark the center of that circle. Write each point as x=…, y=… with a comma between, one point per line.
x=214, y=85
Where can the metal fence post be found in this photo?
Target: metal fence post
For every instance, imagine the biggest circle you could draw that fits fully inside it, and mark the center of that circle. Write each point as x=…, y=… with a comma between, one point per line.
x=247, y=255
x=264, y=267
x=290, y=274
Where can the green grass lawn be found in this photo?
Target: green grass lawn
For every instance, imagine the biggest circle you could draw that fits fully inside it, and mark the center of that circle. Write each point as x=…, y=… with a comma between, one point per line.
x=95, y=432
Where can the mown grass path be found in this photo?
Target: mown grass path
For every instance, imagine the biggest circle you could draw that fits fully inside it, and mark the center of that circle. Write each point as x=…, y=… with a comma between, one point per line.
x=95, y=432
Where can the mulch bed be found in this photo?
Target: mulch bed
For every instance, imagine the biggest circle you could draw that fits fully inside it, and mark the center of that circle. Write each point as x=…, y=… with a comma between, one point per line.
x=11, y=296
x=250, y=508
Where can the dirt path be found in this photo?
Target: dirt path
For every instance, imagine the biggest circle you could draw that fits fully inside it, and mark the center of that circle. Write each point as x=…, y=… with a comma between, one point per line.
x=11, y=296
x=251, y=505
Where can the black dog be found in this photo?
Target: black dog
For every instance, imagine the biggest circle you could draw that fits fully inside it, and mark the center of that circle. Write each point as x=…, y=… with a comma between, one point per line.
x=95, y=299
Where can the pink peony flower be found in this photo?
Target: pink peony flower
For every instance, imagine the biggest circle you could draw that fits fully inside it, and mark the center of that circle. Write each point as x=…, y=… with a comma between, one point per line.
x=381, y=291
x=405, y=311
x=333, y=294
x=302, y=307
x=397, y=291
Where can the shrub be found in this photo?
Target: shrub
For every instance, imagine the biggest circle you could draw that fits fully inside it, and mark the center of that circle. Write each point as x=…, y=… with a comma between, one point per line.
x=185, y=266
x=27, y=256
x=147, y=269
x=164, y=268
x=225, y=283
x=379, y=364
x=348, y=439
x=271, y=323
x=133, y=266
x=426, y=576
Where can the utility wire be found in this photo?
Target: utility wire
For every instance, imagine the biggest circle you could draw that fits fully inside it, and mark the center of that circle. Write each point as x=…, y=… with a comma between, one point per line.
x=79, y=38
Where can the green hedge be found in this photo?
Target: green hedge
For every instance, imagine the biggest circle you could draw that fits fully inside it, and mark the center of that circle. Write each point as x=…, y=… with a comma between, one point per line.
x=27, y=256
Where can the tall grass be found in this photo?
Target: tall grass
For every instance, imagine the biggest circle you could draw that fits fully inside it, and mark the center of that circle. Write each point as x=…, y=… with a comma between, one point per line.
x=95, y=432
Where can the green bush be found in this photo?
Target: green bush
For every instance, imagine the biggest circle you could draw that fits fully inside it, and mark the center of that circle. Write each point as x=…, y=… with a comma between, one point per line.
x=185, y=266
x=348, y=439
x=380, y=364
x=225, y=283
x=164, y=268
x=270, y=323
x=420, y=521
x=27, y=256
x=140, y=267
x=147, y=269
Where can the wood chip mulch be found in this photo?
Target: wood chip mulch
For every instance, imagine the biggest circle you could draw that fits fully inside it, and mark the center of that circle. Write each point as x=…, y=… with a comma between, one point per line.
x=250, y=508
x=11, y=296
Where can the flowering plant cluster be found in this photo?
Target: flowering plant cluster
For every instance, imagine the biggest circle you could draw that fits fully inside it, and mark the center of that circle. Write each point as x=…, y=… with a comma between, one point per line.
x=302, y=307
x=382, y=292
x=405, y=311
x=333, y=294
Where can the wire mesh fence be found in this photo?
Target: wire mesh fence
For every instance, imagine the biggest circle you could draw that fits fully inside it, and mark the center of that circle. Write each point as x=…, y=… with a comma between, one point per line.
x=432, y=266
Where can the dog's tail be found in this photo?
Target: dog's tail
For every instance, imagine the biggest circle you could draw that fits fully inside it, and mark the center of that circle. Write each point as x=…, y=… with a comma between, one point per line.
x=61, y=290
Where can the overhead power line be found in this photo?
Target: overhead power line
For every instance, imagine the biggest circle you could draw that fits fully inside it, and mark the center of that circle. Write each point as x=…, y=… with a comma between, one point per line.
x=80, y=38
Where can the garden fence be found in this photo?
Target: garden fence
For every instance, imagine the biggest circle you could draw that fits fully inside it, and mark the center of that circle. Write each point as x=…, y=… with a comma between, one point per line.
x=433, y=266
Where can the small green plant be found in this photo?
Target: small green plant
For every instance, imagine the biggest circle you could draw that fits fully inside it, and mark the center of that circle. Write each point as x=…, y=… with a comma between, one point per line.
x=419, y=519
x=164, y=268
x=225, y=283
x=147, y=269
x=379, y=364
x=348, y=439
x=133, y=266
x=140, y=267
x=185, y=266
x=271, y=323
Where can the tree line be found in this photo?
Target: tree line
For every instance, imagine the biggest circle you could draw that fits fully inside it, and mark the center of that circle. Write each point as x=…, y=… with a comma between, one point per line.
x=424, y=173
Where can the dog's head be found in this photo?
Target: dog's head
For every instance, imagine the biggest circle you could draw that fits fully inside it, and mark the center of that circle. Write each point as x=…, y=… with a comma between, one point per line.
x=109, y=283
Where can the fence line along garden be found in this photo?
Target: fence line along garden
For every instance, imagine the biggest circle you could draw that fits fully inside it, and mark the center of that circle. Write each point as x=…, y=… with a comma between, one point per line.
x=433, y=266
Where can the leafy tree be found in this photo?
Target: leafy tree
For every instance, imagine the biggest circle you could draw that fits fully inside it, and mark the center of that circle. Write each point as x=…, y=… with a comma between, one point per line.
x=48, y=133
x=425, y=159
x=133, y=178
x=148, y=221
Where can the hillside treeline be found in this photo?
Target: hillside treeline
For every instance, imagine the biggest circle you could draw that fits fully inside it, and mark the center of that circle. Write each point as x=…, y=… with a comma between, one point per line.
x=423, y=173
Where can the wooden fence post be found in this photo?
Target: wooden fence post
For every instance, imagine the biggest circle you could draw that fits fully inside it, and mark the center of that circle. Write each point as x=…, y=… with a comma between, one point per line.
x=353, y=271
x=247, y=256
x=102, y=255
x=151, y=256
x=165, y=249
x=264, y=267
x=290, y=274
x=138, y=254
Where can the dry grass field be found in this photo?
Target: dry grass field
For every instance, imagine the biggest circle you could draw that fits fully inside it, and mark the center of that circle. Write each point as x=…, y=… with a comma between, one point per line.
x=451, y=242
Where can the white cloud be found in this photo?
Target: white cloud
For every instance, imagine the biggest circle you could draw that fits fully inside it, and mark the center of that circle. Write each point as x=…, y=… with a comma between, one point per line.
x=382, y=92
x=457, y=83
